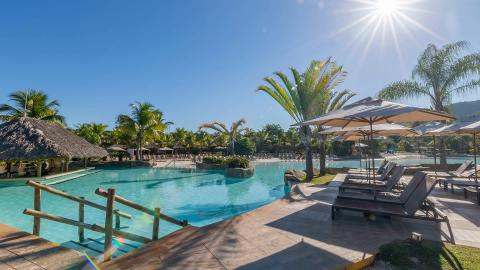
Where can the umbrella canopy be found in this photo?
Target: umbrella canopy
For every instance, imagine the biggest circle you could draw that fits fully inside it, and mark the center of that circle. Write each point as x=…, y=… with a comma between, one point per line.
x=116, y=148
x=470, y=128
x=351, y=138
x=376, y=111
x=447, y=129
x=33, y=139
x=426, y=127
x=379, y=130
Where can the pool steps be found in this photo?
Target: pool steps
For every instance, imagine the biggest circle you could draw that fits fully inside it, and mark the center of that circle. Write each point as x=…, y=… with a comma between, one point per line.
x=94, y=247
x=63, y=179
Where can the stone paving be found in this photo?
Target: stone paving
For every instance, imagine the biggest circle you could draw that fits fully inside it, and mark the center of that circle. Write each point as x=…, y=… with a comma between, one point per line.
x=23, y=251
x=297, y=233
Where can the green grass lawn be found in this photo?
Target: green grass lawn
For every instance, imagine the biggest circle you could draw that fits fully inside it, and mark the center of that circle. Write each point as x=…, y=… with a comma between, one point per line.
x=321, y=180
x=429, y=255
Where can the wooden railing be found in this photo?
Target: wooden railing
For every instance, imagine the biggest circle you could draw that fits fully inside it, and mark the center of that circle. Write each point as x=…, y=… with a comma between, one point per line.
x=109, y=210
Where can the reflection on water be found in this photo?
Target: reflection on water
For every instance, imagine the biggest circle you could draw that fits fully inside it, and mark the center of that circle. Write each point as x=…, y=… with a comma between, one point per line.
x=202, y=197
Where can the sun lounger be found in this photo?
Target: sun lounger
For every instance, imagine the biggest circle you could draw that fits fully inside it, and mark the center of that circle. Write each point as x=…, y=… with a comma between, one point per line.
x=365, y=171
x=459, y=182
x=389, y=196
x=415, y=203
x=386, y=171
x=462, y=168
x=392, y=181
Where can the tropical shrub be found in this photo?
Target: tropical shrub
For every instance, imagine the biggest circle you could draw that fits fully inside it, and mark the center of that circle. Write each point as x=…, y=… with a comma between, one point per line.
x=213, y=160
x=237, y=162
x=244, y=146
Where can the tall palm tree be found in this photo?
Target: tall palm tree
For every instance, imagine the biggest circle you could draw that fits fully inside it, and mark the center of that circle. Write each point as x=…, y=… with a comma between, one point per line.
x=231, y=134
x=203, y=139
x=92, y=132
x=440, y=74
x=335, y=101
x=305, y=97
x=145, y=123
x=31, y=103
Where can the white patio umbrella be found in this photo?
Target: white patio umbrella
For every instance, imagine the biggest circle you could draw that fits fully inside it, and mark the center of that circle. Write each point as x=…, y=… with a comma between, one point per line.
x=444, y=130
x=423, y=131
x=370, y=111
x=473, y=129
x=363, y=132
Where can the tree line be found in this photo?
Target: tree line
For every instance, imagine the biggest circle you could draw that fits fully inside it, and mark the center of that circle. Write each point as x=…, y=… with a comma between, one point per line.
x=441, y=73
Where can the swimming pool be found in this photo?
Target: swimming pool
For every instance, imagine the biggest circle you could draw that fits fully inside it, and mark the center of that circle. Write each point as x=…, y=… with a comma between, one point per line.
x=201, y=197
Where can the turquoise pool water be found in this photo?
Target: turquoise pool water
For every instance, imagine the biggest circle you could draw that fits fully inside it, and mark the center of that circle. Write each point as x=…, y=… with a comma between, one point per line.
x=201, y=197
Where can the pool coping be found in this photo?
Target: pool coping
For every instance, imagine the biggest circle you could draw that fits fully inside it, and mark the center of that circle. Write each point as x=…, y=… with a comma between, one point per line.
x=44, y=178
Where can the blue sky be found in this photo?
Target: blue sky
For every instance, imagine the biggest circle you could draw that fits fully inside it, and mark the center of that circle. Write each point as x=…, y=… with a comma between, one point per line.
x=200, y=61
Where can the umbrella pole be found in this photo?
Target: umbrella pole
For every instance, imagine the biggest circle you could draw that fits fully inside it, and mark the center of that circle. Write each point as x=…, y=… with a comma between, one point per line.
x=435, y=156
x=475, y=157
x=367, y=162
x=373, y=161
x=360, y=151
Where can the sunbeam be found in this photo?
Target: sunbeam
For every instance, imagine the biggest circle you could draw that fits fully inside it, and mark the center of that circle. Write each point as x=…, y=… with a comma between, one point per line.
x=383, y=22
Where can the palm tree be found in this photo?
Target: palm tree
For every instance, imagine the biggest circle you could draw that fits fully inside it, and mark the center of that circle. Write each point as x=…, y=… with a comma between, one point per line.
x=335, y=101
x=145, y=123
x=440, y=74
x=231, y=133
x=203, y=139
x=92, y=132
x=31, y=103
x=309, y=94
x=180, y=137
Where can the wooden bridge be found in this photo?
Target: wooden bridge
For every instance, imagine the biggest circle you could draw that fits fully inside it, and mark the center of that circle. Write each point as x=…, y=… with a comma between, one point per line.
x=111, y=228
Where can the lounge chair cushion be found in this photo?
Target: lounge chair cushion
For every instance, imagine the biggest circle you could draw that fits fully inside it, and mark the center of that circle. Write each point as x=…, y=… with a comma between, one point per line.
x=390, y=197
x=387, y=186
x=371, y=207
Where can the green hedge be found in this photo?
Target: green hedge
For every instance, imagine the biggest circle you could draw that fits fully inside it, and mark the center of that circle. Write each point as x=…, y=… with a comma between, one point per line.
x=237, y=162
x=213, y=160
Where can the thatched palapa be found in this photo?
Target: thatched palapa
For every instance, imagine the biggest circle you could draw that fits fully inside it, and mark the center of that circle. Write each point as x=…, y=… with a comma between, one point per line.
x=33, y=139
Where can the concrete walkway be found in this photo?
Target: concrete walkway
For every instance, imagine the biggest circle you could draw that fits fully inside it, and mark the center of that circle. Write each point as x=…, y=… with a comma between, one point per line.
x=21, y=250
x=296, y=233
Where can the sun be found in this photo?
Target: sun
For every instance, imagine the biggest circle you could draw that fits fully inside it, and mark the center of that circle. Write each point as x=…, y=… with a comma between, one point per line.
x=383, y=22
x=386, y=7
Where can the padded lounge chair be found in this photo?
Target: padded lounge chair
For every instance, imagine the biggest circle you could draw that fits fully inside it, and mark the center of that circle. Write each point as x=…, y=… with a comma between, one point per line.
x=383, y=177
x=459, y=183
x=388, y=197
x=365, y=171
x=465, y=180
x=392, y=181
x=417, y=201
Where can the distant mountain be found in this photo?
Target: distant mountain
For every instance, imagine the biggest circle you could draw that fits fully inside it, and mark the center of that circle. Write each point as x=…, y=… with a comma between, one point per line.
x=466, y=110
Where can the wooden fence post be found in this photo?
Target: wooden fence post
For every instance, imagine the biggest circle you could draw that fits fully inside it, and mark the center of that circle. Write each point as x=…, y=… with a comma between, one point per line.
x=107, y=250
x=37, y=207
x=39, y=168
x=117, y=222
x=156, y=224
x=81, y=218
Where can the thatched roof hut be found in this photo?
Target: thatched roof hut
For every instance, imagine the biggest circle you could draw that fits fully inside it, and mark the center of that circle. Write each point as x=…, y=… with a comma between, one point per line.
x=28, y=139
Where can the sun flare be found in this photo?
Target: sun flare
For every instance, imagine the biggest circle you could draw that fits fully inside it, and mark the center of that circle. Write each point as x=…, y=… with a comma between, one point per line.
x=386, y=7
x=384, y=22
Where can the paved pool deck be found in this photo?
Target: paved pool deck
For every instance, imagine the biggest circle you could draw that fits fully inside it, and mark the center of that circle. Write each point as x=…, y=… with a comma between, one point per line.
x=23, y=251
x=297, y=232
